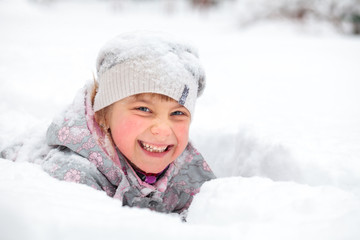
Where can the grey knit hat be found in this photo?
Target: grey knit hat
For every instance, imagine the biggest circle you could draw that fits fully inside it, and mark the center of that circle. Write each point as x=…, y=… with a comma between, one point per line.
x=148, y=62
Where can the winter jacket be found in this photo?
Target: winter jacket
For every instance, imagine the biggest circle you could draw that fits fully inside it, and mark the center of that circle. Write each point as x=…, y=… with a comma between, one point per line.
x=78, y=155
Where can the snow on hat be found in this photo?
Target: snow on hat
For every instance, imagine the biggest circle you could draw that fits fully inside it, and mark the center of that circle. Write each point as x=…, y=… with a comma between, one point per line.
x=147, y=62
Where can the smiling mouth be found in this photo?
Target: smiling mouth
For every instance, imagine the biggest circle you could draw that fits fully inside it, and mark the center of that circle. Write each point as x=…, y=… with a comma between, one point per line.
x=155, y=149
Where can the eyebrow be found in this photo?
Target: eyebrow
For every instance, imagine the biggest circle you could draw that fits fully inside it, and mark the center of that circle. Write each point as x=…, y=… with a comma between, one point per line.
x=136, y=100
x=140, y=99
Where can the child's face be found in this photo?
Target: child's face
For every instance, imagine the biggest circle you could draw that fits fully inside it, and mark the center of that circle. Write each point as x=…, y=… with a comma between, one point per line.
x=149, y=130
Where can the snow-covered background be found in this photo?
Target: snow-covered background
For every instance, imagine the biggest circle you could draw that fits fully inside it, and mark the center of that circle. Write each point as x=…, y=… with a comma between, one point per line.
x=279, y=123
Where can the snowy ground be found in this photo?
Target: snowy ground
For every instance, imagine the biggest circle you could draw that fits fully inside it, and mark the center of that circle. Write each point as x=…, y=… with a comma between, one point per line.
x=278, y=123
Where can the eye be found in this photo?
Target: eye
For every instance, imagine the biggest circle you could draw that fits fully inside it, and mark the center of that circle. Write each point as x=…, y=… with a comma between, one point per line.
x=176, y=113
x=143, y=109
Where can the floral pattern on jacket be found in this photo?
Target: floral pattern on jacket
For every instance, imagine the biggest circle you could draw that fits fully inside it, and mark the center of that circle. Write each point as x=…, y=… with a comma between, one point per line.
x=78, y=155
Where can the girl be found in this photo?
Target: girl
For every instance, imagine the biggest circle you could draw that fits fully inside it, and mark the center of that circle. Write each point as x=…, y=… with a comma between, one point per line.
x=127, y=134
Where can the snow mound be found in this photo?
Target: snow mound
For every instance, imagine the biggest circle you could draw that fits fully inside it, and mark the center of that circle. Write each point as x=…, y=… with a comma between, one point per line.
x=46, y=208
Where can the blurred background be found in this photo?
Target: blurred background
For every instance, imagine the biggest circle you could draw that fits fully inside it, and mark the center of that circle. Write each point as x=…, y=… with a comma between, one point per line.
x=344, y=15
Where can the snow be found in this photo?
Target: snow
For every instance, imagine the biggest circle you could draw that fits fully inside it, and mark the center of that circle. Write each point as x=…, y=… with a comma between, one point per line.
x=31, y=208
x=278, y=123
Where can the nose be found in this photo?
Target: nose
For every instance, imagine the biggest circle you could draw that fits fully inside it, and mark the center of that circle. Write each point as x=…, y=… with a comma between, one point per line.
x=161, y=129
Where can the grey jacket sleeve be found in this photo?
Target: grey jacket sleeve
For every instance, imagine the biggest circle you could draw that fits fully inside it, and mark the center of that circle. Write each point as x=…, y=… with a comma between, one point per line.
x=11, y=152
x=64, y=164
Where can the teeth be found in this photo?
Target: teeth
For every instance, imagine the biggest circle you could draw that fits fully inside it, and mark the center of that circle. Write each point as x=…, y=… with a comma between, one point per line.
x=151, y=148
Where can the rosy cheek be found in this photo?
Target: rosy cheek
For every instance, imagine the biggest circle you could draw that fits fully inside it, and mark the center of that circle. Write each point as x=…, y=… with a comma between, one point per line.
x=129, y=126
x=182, y=135
x=125, y=132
